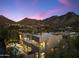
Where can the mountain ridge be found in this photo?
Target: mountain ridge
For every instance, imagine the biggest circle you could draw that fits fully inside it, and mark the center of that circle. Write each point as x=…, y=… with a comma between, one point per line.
x=69, y=19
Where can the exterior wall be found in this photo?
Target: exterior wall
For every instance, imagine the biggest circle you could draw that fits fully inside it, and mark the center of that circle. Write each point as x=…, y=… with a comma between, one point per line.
x=53, y=41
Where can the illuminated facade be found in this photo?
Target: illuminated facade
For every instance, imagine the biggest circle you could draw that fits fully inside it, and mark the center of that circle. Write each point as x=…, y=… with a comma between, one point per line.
x=41, y=43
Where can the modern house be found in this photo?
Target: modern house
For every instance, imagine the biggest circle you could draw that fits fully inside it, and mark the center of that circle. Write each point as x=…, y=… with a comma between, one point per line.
x=41, y=43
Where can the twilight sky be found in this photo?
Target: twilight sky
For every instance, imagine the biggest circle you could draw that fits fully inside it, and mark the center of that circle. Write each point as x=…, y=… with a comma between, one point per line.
x=36, y=9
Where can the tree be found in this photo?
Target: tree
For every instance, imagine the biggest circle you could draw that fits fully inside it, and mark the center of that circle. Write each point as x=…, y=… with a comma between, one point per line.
x=3, y=36
x=68, y=48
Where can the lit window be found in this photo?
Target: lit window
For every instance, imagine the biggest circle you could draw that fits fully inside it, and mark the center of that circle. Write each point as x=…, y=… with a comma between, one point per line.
x=42, y=55
x=42, y=45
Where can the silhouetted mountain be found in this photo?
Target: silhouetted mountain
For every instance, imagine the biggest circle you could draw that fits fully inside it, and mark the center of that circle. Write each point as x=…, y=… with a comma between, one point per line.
x=70, y=19
x=27, y=21
x=4, y=20
x=31, y=24
x=64, y=19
